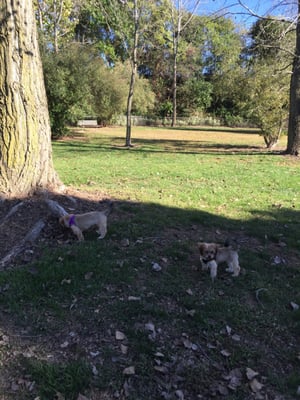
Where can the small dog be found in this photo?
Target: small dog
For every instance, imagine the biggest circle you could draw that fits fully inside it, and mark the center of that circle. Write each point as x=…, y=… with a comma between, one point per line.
x=81, y=222
x=212, y=254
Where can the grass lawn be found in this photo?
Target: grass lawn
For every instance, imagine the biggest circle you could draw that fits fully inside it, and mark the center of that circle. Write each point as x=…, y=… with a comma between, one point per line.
x=101, y=323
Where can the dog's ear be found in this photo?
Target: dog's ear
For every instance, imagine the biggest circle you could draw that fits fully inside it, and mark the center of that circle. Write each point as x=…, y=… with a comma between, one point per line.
x=201, y=247
x=215, y=248
x=62, y=220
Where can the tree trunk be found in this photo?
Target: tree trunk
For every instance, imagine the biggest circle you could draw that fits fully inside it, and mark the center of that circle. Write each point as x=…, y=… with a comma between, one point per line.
x=293, y=145
x=25, y=142
x=133, y=76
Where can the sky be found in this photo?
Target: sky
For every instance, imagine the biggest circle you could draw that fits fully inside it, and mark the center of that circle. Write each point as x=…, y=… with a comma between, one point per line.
x=239, y=14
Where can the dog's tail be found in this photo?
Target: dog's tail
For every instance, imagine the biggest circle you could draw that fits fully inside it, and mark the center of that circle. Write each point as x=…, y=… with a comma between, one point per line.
x=232, y=243
x=109, y=208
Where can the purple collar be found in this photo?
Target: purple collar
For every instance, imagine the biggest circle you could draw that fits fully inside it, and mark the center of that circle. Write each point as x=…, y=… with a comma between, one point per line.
x=72, y=220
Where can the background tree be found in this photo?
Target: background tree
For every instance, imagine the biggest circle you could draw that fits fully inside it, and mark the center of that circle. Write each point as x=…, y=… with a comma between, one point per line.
x=269, y=56
x=180, y=18
x=57, y=20
x=25, y=140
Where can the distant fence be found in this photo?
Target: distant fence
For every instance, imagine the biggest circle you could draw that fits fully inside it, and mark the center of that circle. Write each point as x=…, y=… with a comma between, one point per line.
x=90, y=122
x=180, y=121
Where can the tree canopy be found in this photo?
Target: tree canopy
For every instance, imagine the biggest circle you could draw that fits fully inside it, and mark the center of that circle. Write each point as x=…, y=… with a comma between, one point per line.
x=209, y=64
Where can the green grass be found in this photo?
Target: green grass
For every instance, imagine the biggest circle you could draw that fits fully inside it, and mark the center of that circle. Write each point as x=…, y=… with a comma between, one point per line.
x=173, y=188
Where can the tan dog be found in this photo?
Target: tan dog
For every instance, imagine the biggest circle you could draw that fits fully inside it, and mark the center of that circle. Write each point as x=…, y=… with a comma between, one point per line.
x=212, y=254
x=81, y=222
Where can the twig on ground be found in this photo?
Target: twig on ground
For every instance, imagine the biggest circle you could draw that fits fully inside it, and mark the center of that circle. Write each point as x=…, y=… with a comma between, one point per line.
x=31, y=236
x=257, y=292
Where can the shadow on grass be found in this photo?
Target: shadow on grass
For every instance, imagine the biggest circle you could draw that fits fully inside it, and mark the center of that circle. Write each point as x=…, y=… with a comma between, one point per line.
x=249, y=131
x=66, y=307
x=170, y=146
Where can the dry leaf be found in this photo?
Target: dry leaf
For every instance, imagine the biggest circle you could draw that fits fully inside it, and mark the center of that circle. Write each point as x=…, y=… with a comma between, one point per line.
x=120, y=335
x=129, y=371
x=88, y=276
x=255, y=386
x=191, y=313
x=294, y=306
x=225, y=353
x=228, y=330
x=150, y=327
x=133, y=298
x=187, y=343
x=95, y=371
x=235, y=378
x=251, y=374
x=81, y=397
x=161, y=368
x=156, y=267
x=179, y=394
x=124, y=349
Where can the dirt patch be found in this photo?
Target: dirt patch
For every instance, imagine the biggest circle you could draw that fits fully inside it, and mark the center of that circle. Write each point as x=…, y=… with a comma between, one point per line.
x=19, y=217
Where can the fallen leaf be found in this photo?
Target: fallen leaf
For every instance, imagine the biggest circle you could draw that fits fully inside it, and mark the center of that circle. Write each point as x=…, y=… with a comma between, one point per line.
x=156, y=267
x=94, y=353
x=95, y=370
x=125, y=242
x=179, y=394
x=255, y=386
x=81, y=397
x=294, y=306
x=236, y=337
x=124, y=349
x=225, y=353
x=120, y=335
x=88, y=276
x=66, y=281
x=129, y=371
x=161, y=368
x=223, y=390
x=187, y=343
x=191, y=313
x=133, y=298
x=228, y=330
x=235, y=378
x=251, y=374
x=150, y=327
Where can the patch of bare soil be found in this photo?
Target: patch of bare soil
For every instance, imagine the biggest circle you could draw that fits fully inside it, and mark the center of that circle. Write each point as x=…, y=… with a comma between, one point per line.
x=26, y=225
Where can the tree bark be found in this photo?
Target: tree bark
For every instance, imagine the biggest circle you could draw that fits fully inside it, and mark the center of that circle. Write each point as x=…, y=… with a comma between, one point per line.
x=25, y=136
x=134, y=62
x=293, y=145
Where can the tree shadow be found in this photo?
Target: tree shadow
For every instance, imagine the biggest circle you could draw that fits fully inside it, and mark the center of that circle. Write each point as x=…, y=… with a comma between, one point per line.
x=170, y=146
x=136, y=232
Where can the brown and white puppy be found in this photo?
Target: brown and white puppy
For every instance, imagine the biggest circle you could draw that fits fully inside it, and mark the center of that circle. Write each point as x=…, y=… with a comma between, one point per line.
x=81, y=222
x=213, y=254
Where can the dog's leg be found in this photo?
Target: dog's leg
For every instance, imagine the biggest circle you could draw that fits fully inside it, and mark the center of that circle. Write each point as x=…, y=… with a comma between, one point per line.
x=230, y=267
x=77, y=232
x=102, y=230
x=234, y=268
x=213, y=266
x=204, y=265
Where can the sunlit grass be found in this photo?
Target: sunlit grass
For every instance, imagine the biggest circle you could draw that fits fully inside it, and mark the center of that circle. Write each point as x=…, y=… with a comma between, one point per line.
x=228, y=173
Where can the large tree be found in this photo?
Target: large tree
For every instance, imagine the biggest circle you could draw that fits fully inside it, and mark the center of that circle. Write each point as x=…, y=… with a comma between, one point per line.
x=25, y=137
x=293, y=145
